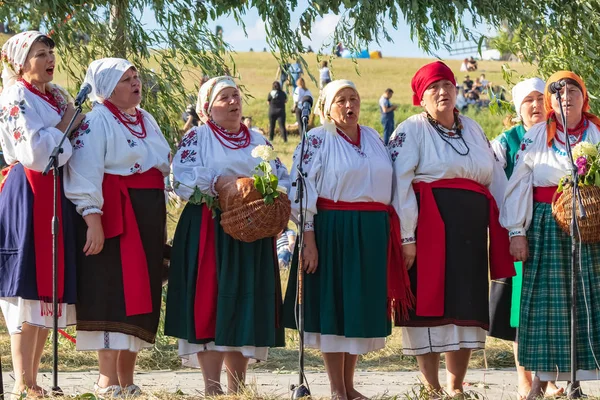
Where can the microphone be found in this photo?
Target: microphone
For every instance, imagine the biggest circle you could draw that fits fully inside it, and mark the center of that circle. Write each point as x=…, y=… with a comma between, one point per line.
x=85, y=90
x=307, y=103
x=556, y=86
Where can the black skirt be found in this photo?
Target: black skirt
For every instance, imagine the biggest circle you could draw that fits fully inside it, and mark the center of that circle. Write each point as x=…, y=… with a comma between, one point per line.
x=500, y=303
x=101, y=303
x=466, y=216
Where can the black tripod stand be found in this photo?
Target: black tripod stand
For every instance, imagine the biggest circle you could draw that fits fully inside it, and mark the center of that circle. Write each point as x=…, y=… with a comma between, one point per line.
x=53, y=165
x=301, y=390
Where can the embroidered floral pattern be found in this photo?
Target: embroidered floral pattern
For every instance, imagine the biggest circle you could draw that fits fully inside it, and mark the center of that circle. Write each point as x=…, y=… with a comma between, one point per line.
x=269, y=144
x=278, y=163
x=60, y=99
x=84, y=129
x=359, y=151
x=397, y=141
x=525, y=143
x=77, y=144
x=18, y=136
x=190, y=139
x=408, y=240
x=309, y=226
x=188, y=156
x=137, y=168
x=308, y=156
x=12, y=111
x=314, y=141
x=131, y=143
x=394, y=155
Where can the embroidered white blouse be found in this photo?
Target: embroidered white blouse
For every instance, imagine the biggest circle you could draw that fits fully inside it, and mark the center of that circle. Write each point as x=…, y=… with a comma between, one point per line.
x=419, y=154
x=340, y=171
x=27, y=127
x=102, y=144
x=202, y=158
x=536, y=165
x=500, y=149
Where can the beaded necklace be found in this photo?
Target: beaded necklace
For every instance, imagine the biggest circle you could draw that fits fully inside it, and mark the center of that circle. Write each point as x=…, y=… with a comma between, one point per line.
x=233, y=141
x=451, y=136
x=48, y=97
x=129, y=121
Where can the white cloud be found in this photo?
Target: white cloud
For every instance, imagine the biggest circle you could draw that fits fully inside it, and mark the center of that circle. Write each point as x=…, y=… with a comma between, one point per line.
x=322, y=29
x=255, y=32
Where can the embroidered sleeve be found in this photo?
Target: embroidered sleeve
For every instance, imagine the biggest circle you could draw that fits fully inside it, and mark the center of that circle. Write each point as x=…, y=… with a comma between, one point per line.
x=517, y=208
x=500, y=147
x=189, y=171
x=85, y=171
x=404, y=149
x=498, y=184
x=311, y=164
x=30, y=142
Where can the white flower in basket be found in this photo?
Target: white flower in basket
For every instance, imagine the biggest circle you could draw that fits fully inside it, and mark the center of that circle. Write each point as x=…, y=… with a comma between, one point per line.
x=264, y=180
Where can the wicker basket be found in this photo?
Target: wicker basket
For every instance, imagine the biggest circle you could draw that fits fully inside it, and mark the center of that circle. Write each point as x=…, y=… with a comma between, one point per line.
x=245, y=215
x=589, y=228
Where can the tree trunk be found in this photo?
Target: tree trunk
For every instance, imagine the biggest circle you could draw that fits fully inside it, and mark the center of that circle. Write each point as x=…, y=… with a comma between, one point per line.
x=118, y=22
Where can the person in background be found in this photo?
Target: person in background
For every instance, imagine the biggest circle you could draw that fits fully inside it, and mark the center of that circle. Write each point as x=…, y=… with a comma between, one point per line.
x=464, y=67
x=484, y=82
x=324, y=74
x=387, y=114
x=472, y=64
x=277, y=99
x=285, y=247
x=248, y=122
x=299, y=94
x=467, y=84
x=296, y=73
x=282, y=75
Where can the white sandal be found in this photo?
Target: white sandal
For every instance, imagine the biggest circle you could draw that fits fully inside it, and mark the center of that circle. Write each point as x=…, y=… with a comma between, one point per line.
x=109, y=392
x=132, y=391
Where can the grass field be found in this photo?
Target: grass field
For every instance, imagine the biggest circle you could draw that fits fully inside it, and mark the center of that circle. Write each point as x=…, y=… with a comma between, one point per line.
x=372, y=77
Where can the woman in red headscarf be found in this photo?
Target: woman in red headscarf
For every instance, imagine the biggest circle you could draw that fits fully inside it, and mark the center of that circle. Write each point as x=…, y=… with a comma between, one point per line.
x=537, y=240
x=447, y=187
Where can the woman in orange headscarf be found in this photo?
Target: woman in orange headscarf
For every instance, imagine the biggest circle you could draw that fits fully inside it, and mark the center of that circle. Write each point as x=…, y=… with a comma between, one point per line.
x=537, y=240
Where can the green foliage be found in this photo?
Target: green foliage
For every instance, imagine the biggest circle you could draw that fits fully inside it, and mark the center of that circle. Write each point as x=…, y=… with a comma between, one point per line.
x=86, y=31
x=558, y=35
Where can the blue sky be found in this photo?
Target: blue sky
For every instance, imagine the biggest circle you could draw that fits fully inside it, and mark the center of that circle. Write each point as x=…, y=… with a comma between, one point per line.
x=402, y=45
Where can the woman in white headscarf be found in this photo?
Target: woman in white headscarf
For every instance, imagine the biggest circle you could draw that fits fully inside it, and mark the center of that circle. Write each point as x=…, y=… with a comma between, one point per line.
x=115, y=178
x=352, y=248
x=528, y=98
x=34, y=113
x=224, y=295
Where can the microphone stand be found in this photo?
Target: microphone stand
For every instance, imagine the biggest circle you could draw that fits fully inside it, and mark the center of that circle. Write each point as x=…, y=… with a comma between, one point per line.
x=53, y=165
x=575, y=237
x=301, y=390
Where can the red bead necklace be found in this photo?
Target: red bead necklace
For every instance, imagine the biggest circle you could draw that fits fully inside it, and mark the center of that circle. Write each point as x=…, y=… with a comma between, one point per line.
x=48, y=97
x=127, y=121
x=233, y=141
x=347, y=138
x=577, y=132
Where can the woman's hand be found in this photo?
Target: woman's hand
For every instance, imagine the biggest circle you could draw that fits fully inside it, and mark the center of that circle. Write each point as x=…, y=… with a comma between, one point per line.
x=222, y=181
x=409, y=252
x=519, y=248
x=66, y=118
x=95, y=235
x=310, y=254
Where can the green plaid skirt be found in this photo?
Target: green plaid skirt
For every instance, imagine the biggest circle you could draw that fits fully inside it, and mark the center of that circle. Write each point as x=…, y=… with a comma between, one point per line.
x=544, y=330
